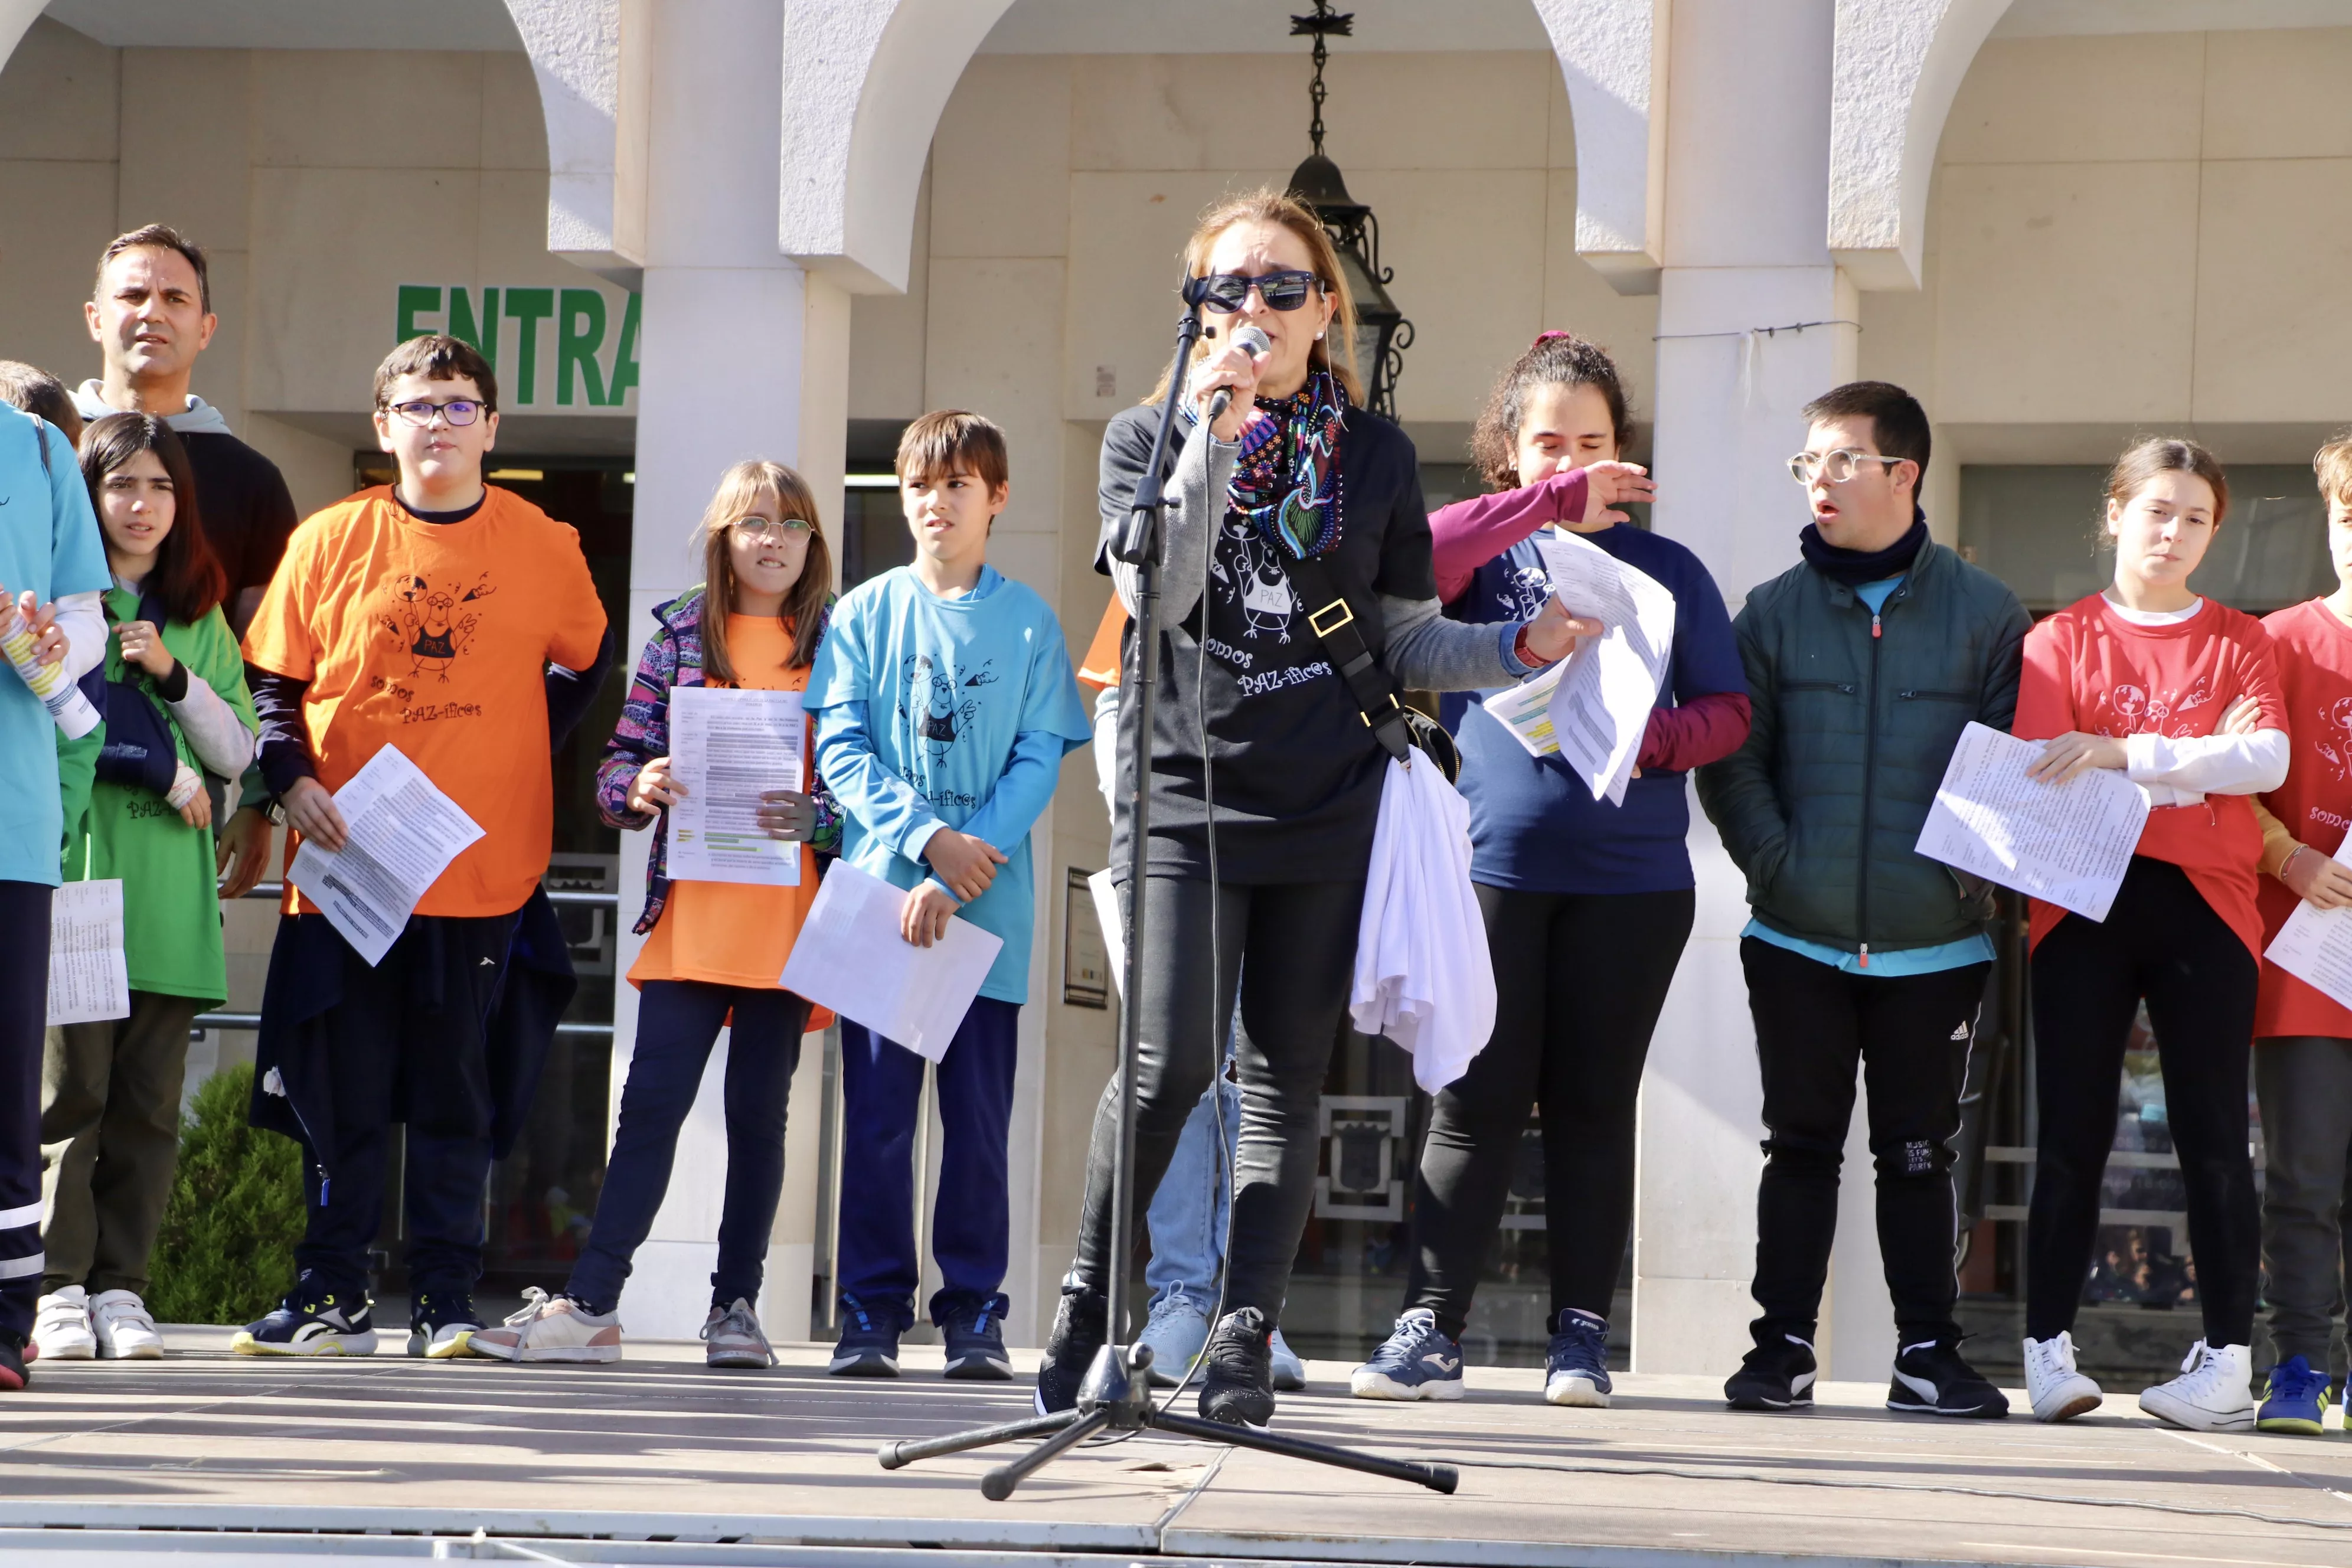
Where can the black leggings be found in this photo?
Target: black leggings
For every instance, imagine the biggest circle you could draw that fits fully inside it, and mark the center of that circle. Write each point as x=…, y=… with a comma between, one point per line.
x=1299, y=941
x=1578, y=980
x=2162, y=943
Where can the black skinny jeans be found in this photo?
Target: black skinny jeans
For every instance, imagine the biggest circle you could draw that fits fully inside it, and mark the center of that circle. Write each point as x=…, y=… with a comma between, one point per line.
x=1910, y=1035
x=1578, y=980
x=2161, y=942
x=1299, y=943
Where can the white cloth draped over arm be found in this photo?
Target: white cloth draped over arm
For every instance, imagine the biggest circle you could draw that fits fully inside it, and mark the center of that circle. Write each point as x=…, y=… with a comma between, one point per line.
x=2183, y=770
x=214, y=730
x=79, y=616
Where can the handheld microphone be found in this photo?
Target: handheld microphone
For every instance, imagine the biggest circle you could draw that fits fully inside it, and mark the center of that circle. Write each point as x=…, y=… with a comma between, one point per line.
x=1252, y=342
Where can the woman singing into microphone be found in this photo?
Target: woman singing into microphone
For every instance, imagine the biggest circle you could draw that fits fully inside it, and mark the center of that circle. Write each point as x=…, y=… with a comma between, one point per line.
x=1252, y=717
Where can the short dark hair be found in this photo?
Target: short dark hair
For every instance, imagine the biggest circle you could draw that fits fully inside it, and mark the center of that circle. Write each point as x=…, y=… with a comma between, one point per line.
x=437, y=356
x=953, y=440
x=188, y=577
x=157, y=237
x=1898, y=426
x=39, y=393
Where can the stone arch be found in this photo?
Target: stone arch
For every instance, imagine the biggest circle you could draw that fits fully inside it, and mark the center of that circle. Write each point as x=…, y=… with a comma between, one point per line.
x=595, y=210
x=1613, y=58
x=1897, y=65
x=864, y=83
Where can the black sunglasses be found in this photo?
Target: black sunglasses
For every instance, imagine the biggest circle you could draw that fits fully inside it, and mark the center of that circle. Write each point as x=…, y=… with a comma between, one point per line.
x=1226, y=292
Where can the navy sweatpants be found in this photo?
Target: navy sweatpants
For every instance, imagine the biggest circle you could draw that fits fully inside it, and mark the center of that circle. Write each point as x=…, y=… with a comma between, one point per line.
x=881, y=1092
x=24, y=1016
x=678, y=1024
x=408, y=1042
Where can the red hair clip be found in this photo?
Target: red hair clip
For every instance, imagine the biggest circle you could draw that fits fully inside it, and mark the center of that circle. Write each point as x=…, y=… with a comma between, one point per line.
x=1546, y=336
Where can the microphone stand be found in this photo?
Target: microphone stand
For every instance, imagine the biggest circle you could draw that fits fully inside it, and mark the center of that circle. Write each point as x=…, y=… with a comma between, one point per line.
x=1116, y=1393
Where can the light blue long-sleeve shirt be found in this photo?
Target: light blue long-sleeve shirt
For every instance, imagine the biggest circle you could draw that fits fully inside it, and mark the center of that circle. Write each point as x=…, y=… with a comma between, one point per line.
x=954, y=713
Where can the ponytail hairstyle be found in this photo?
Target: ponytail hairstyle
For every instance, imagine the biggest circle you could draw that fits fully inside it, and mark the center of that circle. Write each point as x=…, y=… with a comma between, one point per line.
x=740, y=489
x=1554, y=359
x=1266, y=204
x=2153, y=455
x=187, y=576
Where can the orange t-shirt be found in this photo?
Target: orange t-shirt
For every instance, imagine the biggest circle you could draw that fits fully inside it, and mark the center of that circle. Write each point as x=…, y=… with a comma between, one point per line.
x=435, y=638
x=1099, y=668
x=2089, y=669
x=2315, y=657
x=732, y=934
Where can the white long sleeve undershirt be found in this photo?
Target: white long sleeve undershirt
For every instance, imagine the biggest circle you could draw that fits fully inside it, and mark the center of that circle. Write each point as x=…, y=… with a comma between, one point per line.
x=84, y=624
x=2183, y=770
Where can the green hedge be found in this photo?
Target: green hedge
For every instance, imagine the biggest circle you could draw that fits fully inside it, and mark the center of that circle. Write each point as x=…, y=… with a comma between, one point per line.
x=226, y=1253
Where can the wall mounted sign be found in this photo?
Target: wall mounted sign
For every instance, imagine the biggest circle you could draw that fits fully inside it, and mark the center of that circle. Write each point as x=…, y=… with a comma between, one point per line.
x=582, y=373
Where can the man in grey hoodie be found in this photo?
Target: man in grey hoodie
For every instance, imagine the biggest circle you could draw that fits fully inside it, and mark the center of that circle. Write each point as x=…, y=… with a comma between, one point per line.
x=151, y=313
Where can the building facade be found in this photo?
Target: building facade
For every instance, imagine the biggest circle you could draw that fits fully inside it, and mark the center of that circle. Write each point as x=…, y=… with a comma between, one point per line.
x=693, y=231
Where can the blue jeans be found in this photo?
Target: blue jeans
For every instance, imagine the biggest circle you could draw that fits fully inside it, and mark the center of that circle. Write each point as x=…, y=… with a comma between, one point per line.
x=1187, y=1216
x=678, y=1024
x=881, y=1095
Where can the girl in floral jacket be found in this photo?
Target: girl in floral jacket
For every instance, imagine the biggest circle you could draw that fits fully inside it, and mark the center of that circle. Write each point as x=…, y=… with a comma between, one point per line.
x=713, y=950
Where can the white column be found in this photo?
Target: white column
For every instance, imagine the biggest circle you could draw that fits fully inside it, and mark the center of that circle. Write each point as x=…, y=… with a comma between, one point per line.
x=744, y=355
x=1746, y=248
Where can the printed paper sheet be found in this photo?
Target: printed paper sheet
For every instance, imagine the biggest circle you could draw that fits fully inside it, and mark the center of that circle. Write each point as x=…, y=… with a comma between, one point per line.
x=850, y=957
x=728, y=747
x=89, y=979
x=404, y=834
x=2069, y=844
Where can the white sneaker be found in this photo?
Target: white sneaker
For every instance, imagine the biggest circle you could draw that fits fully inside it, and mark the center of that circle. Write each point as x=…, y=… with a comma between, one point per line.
x=2059, y=1393
x=2212, y=1393
x=123, y=1328
x=551, y=1329
x=61, y=1325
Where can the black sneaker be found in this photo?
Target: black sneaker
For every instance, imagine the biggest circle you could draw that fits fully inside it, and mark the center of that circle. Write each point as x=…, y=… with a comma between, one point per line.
x=1931, y=1379
x=1777, y=1376
x=308, y=1322
x=15, y=1349
x=868, y=1346
x=974, y=1329
x=442, y=1324
x=1237, y=1370
x=1080, y=1330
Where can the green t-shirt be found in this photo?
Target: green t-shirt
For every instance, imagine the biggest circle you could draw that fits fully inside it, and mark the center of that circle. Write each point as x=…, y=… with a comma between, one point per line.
x=171, y=906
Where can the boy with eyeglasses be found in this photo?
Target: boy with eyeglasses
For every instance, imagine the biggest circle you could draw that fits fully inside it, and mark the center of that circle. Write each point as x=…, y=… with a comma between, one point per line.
x=458, y=624
x=1865, y=663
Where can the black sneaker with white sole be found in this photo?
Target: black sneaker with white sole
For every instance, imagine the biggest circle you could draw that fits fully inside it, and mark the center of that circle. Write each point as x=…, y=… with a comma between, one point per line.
x=1775, y=1377
x=1237, y=1370
x=1081, y=1326
x=1930, y=1379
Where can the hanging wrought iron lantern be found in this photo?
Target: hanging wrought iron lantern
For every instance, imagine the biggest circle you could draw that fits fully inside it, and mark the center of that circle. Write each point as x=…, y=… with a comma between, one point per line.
x=1382, y=334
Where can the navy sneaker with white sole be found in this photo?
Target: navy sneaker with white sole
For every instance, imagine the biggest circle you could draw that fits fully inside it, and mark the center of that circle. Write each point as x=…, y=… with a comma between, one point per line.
x=442, y=1324
x=1416, y=1362
x=1576, y=1362
x=868, y=1346
x=974, y=1327
x=308, y=1324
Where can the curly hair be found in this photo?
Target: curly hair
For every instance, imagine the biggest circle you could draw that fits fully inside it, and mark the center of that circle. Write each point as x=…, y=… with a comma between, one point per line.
x=1554, y=359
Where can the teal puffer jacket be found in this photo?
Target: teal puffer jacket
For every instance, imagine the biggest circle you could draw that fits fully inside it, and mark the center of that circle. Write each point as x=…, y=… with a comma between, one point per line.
x=1855, y=717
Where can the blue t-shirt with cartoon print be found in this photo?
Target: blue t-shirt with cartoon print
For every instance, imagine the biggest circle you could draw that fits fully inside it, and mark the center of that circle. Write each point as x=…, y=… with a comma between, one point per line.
x=935, y=713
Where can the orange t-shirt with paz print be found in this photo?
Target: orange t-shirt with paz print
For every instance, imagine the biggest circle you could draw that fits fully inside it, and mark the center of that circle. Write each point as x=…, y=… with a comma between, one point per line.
x=435, y=638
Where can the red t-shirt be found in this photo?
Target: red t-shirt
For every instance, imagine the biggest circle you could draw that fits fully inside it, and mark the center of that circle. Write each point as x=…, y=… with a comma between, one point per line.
x=2314, y=659
x=2087, y=669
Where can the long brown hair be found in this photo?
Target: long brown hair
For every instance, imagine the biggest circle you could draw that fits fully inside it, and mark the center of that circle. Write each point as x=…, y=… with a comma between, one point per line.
x=187, y=576
x=740, y=489
x=1266, y=205
x=2153, y=455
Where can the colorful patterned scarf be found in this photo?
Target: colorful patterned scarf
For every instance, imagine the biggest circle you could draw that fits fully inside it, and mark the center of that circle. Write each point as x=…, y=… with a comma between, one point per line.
x=1287, y=480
